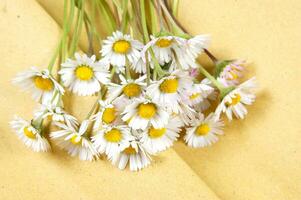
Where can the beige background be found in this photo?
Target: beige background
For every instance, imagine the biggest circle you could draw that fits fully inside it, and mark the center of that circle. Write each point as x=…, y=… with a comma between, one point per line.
x=258, y=158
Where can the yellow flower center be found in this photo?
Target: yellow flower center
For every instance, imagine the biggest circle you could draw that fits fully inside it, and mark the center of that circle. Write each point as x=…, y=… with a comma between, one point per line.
x=84, y=73
x=109, y=115
x=202, y=130
x=121, y=46
x=113, y=135
x=74, y=140
x=147, y=110
x=43, y=83
x=194, y=96
x=132, y=90
x=156, y=133
x=235, y=100
x=129, y=150
x=163, y=43
x=169, y=86
x=28, y=133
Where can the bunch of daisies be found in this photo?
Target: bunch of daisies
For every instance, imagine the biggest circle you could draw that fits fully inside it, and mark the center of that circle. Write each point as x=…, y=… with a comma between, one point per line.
x=148, y=92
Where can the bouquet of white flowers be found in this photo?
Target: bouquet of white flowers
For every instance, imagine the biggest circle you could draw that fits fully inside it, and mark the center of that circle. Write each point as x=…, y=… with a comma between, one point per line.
x=149, y=85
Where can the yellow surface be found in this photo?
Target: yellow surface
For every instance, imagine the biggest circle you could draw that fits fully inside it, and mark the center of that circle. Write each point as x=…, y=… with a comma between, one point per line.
x=258, y=158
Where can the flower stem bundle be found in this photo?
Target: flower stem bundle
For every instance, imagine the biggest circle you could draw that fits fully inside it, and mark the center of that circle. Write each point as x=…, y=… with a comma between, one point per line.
x=142, y=66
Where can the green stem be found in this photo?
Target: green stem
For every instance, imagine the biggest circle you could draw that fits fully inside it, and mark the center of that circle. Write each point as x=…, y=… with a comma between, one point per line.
x=92, y=109
x=104, y=9
x=143, y=21
x=175, y=7
x=90, y=27
x=112, y=72
x=57, y=50
x=124, y=15
x=159, y=11
x=54, y=57
x=117, y=9
x=90, y=38
x=211, y=78
x=101, y=94
x=91, y=22
x=78, y=27
x=176, y=28
x=135, y=18
x=154, y=18
x=66, y=28
x=145, y=36
x=157, y=68
x=148, y=73
x=128, y=72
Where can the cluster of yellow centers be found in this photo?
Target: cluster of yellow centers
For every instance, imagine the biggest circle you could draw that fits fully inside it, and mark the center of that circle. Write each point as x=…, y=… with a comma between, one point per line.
x=235, y=100
x=114, y=135
x=132, y=90
x=121, y=46
x=147, y=110
x=156, y=133
x=29, y=133
x=44, y=84
x=84, y=73
x=109, y=115
x=169, y=85
x=163, y=43
x=129, y=150
x=74, y=140
x=202, y=130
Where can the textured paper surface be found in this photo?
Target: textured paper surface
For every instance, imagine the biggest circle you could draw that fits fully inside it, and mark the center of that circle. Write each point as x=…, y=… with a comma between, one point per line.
x=258, y=158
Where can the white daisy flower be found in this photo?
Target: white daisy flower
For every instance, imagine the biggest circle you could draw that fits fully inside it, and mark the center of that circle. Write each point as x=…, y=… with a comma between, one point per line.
x=232, y=73
x=197, y=93
x=186, y=113
x=75, y=141
x=169, y=90
x=163, y=47
x=119, y=48
x=121, y=102
x=235, y=101
x=30, y=135
x=156, y=140
x=143, y=112
x=197, y=96
x=189, y=50
x=84, y=75
x=210, y=96
x=204, y=131
x=139, y=66
x=41, y=83
x=108, y=139
x=127, y=88
x=56, y=113
x=109, y=113
x=132, y=152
